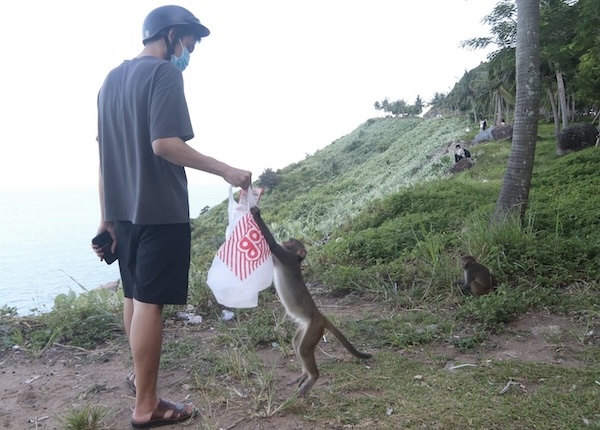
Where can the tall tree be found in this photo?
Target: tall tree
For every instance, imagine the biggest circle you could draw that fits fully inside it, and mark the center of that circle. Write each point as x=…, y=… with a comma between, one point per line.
x=501, y=73
x=398, y=108
x=558, y=19
x=514, y=194
x=419, y=104
x=466, y=96
x=439, y=105
x=497, y=95
x=502, y=21
x=587, y=41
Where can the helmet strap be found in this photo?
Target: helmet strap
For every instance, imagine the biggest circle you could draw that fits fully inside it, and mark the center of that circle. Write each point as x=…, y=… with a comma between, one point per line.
x=170, y=46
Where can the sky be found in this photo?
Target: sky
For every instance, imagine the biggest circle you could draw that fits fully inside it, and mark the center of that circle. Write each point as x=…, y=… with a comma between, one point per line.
x=274, y=82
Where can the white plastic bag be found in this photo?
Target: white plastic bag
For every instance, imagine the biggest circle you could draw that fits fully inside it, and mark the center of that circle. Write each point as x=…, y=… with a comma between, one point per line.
x=243, y=265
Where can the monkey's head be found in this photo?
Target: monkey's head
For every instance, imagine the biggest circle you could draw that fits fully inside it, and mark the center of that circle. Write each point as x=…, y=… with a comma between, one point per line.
x=294, y=246
x=467, y=260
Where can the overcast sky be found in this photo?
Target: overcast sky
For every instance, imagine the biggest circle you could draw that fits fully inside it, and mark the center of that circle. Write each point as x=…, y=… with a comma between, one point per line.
x=275, y=80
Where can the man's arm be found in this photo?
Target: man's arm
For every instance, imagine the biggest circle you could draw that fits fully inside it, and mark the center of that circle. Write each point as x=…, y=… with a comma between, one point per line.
x=176, y=151
x=104, y=225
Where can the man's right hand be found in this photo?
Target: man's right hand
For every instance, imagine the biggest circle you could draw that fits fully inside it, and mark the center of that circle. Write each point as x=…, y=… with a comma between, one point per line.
x=239, y=178
x=110, y=227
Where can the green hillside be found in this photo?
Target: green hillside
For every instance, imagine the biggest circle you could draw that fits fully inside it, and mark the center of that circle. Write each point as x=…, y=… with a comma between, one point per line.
x=379, y=210
x=328, y=188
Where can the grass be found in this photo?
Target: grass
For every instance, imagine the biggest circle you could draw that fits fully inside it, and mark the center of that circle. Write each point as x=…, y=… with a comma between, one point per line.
x=422, y=396
x=83, y=321
x=86, y=417
x=385, y=225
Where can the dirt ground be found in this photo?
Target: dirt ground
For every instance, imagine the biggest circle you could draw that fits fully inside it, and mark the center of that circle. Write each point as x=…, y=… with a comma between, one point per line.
x=34, y=392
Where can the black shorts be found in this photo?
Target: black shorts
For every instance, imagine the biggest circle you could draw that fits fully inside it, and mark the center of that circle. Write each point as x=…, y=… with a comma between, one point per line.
x=154, y=261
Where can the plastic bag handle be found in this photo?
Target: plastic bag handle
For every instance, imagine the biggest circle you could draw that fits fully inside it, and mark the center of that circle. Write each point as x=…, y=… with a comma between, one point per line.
x=250, y=201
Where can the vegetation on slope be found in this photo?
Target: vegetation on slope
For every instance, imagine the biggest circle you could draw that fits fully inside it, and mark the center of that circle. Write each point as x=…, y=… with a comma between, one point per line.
x=374, y=231
x=379, y=208
x=324, y=191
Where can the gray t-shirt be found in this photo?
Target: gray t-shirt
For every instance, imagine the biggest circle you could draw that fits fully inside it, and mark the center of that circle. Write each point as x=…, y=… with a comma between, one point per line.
x=142, y=100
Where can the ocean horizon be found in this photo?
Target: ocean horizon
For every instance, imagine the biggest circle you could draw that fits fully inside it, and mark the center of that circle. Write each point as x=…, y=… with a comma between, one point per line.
x=45, y=243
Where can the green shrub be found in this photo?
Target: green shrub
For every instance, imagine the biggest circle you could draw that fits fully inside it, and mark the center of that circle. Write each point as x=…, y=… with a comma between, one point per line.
x=402, y=330
x=504, y=304
x=87, y=320
x=8, y=318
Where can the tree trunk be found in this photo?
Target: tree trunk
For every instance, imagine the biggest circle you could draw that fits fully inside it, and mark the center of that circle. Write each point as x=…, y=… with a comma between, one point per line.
x=499, y=116
x=517, y=179
x=562, y=97
x=554, y=111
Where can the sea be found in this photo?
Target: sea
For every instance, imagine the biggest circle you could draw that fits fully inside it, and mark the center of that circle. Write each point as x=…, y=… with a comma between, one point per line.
x=45, y=237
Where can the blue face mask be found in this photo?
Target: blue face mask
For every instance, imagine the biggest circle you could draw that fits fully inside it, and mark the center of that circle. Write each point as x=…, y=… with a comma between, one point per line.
x=181, y=62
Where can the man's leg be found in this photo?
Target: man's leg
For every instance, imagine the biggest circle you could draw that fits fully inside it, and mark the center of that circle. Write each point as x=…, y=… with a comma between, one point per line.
x=160, y=275
x=126, y=252
x=127, y=315
x=145, y=340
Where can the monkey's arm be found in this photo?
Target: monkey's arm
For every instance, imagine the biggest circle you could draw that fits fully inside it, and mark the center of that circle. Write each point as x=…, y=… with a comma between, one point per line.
x=466, y=288
x=465, y=284
x=275, y=247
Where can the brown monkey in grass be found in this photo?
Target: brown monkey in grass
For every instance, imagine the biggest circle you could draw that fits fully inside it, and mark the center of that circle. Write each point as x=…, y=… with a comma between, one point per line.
x=478, y=279
x=300, y=306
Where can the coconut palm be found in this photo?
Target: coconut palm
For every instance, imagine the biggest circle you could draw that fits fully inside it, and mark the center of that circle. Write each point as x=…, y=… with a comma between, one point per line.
x=517, y=179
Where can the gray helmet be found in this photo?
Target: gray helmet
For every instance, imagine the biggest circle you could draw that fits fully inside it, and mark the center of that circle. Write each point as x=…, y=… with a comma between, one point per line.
x=165, y=17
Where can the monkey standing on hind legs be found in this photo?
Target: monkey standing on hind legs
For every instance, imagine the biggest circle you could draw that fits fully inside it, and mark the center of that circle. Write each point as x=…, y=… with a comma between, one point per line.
x=478, y=279
x=300, y=306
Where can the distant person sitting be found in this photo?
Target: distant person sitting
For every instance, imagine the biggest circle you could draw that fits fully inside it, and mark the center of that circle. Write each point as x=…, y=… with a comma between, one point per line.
x=460, y=153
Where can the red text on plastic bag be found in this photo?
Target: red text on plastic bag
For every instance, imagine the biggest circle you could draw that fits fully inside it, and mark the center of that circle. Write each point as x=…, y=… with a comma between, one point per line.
x=246, y=248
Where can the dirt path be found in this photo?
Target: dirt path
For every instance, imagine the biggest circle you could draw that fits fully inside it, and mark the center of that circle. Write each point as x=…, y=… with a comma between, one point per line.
x=34, y=392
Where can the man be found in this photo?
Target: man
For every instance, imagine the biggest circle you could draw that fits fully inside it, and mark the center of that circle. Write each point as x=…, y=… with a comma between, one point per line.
x=143, y=126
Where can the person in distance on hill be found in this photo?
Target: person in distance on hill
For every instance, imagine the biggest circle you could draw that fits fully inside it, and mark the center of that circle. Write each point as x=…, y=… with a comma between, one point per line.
x=460, y=153
x=143, y=127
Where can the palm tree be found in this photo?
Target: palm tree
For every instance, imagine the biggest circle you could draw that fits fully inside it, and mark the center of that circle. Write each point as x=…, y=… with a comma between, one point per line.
x=502, y=82
x=501, y=75
x=558, y=20
x=398, y=108
x=503, y=23
x=419, y=104
x=517, y=179
x=466, y=96
x=587, y=41
x=439, y=105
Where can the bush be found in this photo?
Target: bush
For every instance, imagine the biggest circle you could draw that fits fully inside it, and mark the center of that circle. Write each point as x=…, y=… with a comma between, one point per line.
x=504, y=304
x=269, y=179
x=86, y=321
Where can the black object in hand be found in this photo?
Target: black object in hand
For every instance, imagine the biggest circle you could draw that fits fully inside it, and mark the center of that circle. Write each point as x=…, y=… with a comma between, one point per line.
x=104, y=241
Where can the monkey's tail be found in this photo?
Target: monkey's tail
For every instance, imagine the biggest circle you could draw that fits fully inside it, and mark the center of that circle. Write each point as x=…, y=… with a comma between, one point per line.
x=338, y=334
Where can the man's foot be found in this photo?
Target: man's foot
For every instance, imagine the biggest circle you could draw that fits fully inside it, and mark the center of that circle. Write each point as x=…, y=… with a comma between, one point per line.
x=167, y=413
x=131, y=382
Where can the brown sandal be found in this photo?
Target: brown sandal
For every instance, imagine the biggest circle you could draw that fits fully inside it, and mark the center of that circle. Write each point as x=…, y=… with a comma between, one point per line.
x=166, y=413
